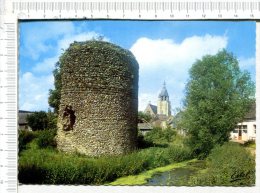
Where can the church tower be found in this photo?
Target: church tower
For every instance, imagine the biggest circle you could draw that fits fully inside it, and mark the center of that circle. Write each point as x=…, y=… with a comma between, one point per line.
x=163, y=104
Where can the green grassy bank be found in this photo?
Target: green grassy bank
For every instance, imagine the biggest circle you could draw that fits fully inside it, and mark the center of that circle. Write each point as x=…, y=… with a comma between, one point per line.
x=41, y=163
x=142, y=178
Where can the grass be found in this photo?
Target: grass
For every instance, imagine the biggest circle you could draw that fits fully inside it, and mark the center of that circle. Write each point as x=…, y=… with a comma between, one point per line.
x=41, y=163
x=142, y=178
x=227, y=165
x=49, y=166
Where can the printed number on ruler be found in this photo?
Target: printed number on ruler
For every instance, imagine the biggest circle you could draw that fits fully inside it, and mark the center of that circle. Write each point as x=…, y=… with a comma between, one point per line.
x=137, y=10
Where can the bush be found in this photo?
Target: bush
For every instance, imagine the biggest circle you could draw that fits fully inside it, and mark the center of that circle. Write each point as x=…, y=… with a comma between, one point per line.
x=47, y=166
x=141, y=142
x=228, y=165
x=42, y=120
x=179, y=153
x=250, y=143
x=46, y=138
x=24, y=138
x=144, y=117
x=52, y=120
x=160, y=136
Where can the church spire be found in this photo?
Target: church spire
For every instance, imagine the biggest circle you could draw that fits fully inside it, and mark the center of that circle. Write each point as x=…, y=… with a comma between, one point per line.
x=164, y=94
x=163, y=103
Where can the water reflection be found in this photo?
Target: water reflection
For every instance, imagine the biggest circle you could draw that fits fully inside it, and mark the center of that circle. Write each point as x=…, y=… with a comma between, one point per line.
x=178, y=176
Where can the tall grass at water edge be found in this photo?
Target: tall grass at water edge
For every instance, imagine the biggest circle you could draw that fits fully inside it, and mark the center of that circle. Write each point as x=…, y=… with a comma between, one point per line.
x=48, y=166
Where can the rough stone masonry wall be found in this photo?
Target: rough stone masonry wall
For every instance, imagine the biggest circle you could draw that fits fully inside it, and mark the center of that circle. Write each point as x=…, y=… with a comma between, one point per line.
x=100, y=82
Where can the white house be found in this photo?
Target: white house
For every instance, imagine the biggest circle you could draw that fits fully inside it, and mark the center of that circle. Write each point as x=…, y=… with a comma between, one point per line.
x=246, y=130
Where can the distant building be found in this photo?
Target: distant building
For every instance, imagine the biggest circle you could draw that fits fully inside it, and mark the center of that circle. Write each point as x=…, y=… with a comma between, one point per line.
x=145, y=127
x=22, y=122
x=161, y=114
x=163, y=107
x=246, y=130
x=151, y=110
x=163, y=103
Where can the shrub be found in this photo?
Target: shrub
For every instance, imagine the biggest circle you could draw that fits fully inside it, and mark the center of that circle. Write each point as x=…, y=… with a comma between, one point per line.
x=48, y=166
x=160, y=136
x=144, y=117
x=42, y=120
x=52, y=120
x=141, y=142
x=250, y=143
x=228, y=165
x=46, y=138
x=179, y=153
x=24, y=138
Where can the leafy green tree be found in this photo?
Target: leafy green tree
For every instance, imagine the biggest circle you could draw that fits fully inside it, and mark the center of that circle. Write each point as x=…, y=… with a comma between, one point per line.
x=38, y=120
x=159, y=135
x=52, y=120
x=55, y=94
x=144, y=117
x=42, y=120
x=218, y=94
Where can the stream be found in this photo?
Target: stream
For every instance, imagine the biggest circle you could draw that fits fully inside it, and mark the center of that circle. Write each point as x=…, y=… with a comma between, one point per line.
x=176, y=177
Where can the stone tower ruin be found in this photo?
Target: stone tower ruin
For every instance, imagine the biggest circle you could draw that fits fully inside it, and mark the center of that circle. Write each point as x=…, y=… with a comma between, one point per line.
x=99, y=99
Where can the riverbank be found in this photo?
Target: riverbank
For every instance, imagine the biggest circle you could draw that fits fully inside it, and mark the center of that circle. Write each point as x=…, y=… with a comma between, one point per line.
x=143, y=178
x=44, y=164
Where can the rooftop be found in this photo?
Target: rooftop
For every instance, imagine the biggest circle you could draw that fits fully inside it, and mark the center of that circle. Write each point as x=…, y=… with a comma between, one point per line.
x=163, y=92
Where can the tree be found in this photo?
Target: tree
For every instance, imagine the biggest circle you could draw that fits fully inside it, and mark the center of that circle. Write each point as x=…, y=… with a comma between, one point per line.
x=55, y=94
x=218, y=94
x=144, y=117
x=38, y=120
x=42, y=120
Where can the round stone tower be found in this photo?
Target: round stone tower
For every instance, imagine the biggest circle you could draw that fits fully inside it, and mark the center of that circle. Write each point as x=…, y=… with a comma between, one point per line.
x=99, y=99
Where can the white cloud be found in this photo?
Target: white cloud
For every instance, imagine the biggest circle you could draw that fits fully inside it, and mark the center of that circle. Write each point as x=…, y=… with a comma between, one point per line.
x=165, y=60
x=37, y=38
x=46, y=65
x=35, y=84
x=155, y=53
x=34, y=91
x=246, y=63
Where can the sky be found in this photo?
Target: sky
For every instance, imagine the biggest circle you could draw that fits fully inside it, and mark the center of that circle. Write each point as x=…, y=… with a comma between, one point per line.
x=165, y=51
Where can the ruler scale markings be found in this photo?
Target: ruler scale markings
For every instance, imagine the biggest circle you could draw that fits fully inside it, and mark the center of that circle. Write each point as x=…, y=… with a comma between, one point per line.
x=227, y=9
x=253, y=5
x=52, y=6
x=207, y=6
x=55, y=6
x=246, y=6
x=63, y=6
x=167, y=6
x=28, y=7
x=232, y=6
x=114, y=6
x=10, y=120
